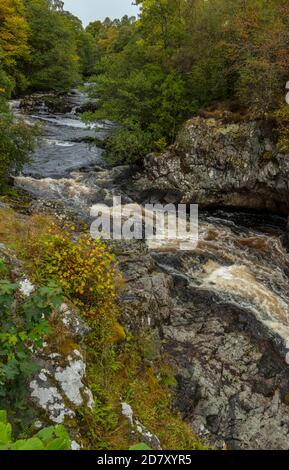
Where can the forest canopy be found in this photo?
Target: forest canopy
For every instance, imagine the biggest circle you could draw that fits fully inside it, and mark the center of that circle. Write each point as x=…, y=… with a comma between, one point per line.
x=42, y=48
x=182, y=56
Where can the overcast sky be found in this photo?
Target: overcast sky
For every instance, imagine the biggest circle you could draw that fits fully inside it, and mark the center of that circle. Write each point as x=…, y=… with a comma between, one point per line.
x=90, y=10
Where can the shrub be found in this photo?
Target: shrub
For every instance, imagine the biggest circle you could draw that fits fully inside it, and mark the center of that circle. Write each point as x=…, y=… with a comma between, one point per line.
x=128, y=144
x=16, y=144
x=84, y=268
x=23, y=325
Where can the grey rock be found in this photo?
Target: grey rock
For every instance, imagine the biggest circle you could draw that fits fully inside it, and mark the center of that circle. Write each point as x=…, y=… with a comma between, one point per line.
x=77, y=327
x=232, y=377
x=59, y=388
x=215, y=163
x=137, y=428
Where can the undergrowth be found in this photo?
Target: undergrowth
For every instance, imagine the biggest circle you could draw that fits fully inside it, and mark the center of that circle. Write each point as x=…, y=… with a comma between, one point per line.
x=120, y=366
x=51, y=438
x=282, y=119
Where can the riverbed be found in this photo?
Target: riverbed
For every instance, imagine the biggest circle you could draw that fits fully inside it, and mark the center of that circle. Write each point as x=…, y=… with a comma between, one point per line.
x=237, y=275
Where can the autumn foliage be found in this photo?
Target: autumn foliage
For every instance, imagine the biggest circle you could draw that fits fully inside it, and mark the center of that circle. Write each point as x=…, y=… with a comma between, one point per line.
x=85, y=269
x=183, y=56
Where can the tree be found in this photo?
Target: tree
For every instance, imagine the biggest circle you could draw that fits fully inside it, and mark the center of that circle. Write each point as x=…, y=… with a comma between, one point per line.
x=256, y=42
x=85, y=44
x=13, y=41
x=54, y=62
x=16, y=138
x=16, y=144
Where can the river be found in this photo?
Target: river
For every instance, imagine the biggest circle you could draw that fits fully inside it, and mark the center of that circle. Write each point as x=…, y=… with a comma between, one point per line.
x=240, y=266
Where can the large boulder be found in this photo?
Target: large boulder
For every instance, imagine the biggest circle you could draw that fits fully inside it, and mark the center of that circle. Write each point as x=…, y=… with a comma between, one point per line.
x=222, y=164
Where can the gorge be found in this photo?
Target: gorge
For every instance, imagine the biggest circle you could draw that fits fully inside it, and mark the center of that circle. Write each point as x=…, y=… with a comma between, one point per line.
x=219, y=313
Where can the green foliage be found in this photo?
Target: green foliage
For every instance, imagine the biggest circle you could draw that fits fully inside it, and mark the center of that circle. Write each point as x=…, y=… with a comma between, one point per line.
x=140, y=446
x=118, y=365
x=122, y=370
x=180, y=56
x=149, y=104
x=84, y=268
x=52, y=438
x=16, y=144
x=13, y=42
x=282, y=121
x=23, y=325
x=85, y=44
x=127, y=143
x=53, y=63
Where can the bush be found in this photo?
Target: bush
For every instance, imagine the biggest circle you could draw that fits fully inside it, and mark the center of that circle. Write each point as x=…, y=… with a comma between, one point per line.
x=83, y=267
x=23, y=325
x=16, y=144
x=127, y=145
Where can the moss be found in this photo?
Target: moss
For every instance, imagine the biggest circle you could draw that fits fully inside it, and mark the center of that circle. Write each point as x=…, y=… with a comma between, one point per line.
x=266, y=157
x=286, y=399
x=184, y=141
x=282, y=128
x=125, y=372
x=119, y=334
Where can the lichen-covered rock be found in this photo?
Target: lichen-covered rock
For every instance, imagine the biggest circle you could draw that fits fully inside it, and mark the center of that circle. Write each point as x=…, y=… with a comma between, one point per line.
x=48, y=398
x=71, y=320
x=59, y=388
x=26, y=287
x=70, y=378
x=137, y=430
x=225, y=164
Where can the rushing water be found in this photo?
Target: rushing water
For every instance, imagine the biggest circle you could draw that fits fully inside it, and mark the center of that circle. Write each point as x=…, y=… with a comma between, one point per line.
x=240, y=257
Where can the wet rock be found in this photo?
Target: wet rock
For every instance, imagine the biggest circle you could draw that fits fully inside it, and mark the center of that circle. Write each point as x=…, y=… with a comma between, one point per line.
x=48, y=103
x=286, y=235
x=146, y=301
x=57, y=209
x=88, y=107
x=222, y=164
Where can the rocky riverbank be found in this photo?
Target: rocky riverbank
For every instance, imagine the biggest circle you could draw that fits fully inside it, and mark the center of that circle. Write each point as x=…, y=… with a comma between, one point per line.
x=216, y=317
x=220, y=163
